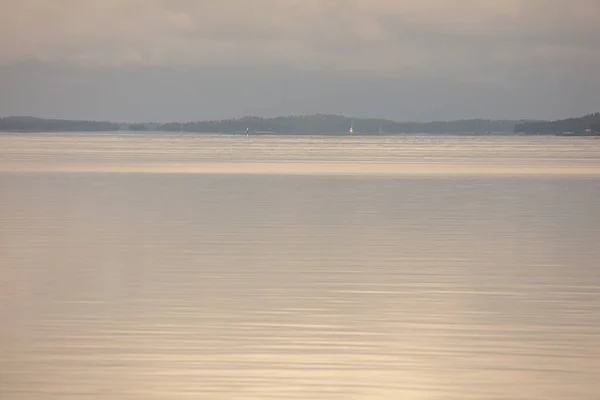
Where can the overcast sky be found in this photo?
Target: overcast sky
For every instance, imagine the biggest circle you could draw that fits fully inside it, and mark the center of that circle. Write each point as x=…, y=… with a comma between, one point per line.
x=202, y=59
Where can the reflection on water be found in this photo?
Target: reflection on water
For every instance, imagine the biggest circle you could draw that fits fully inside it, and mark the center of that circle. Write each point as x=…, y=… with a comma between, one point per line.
x=237, y=286
x=396, y=155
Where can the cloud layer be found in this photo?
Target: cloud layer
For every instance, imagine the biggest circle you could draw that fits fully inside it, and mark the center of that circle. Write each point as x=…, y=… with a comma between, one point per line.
x=464, y=37
x=403, y=59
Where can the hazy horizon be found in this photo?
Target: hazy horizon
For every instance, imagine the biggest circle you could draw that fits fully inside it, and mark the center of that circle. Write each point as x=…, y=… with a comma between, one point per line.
x=268, y=117
x=183, y=60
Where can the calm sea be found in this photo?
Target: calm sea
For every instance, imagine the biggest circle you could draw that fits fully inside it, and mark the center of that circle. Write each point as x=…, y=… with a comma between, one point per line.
x=152, y=266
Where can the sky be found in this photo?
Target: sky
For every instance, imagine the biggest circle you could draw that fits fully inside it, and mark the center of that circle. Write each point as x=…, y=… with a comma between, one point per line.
x=161, y=60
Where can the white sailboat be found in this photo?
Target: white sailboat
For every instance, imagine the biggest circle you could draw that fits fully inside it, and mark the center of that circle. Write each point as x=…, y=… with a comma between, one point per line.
x=351, y=128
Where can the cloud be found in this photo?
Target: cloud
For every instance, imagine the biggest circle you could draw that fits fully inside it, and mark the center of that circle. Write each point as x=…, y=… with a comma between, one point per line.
x=468, y=38
x=164, y=93
x=402, y=59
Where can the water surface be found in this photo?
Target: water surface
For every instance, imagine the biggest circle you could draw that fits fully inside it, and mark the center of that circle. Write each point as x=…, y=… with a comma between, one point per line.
x=186, y=267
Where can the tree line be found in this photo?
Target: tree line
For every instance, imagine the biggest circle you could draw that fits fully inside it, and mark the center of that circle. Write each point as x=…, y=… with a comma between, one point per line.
x=590, y=122
x=32, y=124
x=332, y=124
x=315, y=124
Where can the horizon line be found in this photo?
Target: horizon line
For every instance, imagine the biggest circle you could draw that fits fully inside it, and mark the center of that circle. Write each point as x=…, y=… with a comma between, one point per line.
x=282, y=116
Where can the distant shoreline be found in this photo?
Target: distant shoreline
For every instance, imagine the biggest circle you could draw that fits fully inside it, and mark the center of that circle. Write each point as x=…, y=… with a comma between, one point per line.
x=317, y=124
x=315, y=134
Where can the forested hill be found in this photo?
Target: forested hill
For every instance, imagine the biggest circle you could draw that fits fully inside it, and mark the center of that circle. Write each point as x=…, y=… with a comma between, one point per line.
x=331, y=124
x=305, y=124
x=574, y=125
x=32, y=124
